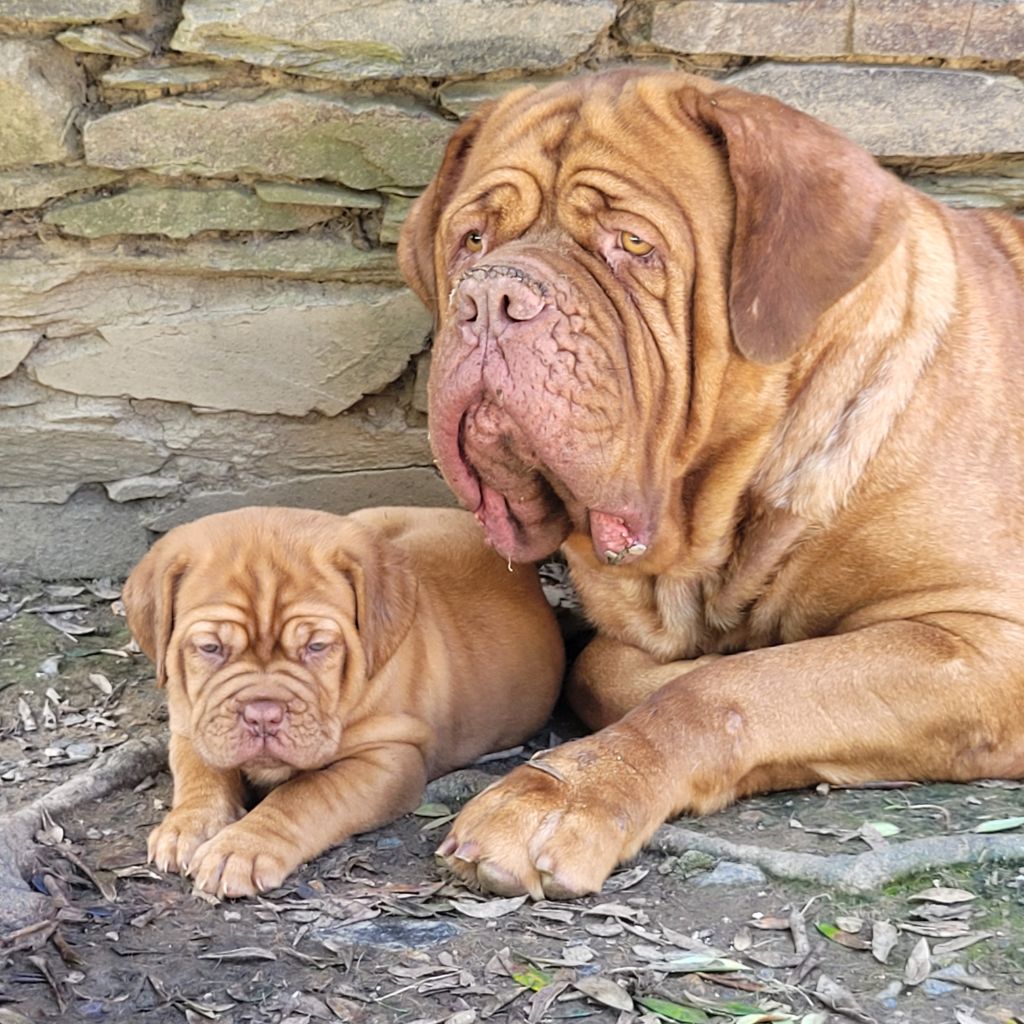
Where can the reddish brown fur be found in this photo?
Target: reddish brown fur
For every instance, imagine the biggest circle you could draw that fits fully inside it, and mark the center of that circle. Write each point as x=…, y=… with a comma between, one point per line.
x=818, y=382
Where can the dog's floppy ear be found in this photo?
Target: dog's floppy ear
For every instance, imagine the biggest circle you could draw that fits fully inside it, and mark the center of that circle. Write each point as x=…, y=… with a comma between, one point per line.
x=385, y=588
x=416, y=243
x=814, y=216
x=148, y=597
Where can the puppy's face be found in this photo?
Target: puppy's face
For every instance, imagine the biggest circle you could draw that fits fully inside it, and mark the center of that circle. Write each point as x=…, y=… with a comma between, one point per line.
x=265, y=626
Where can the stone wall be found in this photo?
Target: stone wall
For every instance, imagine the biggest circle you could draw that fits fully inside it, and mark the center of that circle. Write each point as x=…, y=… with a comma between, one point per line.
x=199, y=302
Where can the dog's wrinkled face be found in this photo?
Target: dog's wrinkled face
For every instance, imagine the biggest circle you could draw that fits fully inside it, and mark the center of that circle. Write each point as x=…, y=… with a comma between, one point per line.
x=251, y=617
x=595, y=254
x=260, y=663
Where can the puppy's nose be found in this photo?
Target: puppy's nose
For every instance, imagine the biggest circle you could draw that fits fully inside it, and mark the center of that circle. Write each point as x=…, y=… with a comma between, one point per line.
x=263, y=717
x=492, y=298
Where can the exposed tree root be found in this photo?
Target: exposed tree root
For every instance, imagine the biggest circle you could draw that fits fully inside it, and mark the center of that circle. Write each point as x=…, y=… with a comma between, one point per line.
x=850, y=873
x=123, y=766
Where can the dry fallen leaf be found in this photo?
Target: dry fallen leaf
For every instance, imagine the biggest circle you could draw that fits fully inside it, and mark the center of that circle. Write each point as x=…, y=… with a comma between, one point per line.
x=102, y=683
x=942, y=894
x=838, y=998
x=488, y=910
x=955, y=945
x=918, y=965
x=1000, y=824
x=883, y=939
x=604, y=991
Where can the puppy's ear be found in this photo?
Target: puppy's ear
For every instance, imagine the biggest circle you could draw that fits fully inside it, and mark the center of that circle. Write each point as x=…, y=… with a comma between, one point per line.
x=385, y=588
x=148, y=597
x=814, y=216
x=416, y=243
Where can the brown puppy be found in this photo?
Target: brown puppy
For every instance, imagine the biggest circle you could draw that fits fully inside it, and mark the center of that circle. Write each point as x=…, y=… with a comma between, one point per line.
x=341, y=661
x=771, y=401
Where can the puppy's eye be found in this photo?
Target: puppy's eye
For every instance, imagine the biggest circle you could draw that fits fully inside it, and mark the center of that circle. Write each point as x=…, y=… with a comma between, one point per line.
x=473, y=242
x=634, y=244
x=317, y=646
x=212, y=648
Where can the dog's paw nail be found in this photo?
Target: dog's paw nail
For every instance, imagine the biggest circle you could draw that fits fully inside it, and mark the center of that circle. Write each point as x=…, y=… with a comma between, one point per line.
x=467, y=851
x=447, y=847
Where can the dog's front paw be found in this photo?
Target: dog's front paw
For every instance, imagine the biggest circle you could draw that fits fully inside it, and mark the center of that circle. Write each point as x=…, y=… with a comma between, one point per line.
x=173, y=843
x=242, y=860
x=547, y=829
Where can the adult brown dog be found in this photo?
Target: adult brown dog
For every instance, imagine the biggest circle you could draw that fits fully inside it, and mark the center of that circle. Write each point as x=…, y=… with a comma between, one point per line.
x=771, y=403
x=339, y=663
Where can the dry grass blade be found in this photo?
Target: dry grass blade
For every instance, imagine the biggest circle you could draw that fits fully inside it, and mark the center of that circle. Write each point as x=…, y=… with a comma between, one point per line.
x=241, y=953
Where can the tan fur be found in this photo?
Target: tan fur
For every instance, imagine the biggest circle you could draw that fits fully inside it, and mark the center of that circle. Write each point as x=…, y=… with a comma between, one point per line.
x=816, y=388
x=434, y=653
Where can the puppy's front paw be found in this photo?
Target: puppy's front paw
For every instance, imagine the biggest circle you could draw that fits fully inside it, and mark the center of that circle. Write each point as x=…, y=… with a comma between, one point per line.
x=175, y=840
x=241, y=861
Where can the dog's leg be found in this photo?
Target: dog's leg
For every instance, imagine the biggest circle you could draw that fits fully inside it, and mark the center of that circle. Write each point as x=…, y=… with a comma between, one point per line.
x=206, y=800
x=926, y=698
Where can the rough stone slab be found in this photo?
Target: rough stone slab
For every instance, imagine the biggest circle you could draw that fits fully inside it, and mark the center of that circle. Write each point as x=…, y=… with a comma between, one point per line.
x=74, y=452
x=280, y=446
x=250, y=345
x=360, y=141
x=136, y=487
x=393, y=38
x=987, y=29
x=164, y=76
x=45, y=494
x=205, y=448
x=462, y=98
x=14, y=346
x=41, y=91
x=972, y=191
x=324, y=254
x=67, y=12
x=790, y=28
x=32, y=186
x=394, y=217
x=316, y=194
x=99, y=39
x=902, y=111
x=340, y=493
x=89, y=536
x=180, y=213
x=420, y=398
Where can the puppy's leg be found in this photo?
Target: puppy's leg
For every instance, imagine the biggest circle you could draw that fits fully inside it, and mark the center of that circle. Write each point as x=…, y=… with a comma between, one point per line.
x=308, y=814
x=206, y=800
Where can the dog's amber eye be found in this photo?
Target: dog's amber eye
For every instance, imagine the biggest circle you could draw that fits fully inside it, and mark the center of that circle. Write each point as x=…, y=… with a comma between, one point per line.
x=211, y=648
x=634, y=244
x=474, y=241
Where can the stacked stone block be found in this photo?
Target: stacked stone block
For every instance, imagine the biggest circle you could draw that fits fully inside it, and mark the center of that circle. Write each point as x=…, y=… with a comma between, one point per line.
x=199, y=204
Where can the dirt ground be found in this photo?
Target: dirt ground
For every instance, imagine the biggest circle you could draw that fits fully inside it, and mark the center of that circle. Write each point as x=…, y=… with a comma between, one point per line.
x=370, y=931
